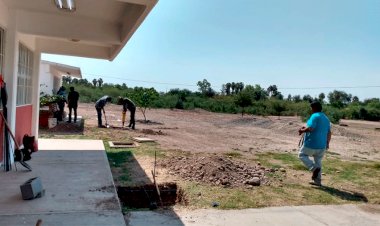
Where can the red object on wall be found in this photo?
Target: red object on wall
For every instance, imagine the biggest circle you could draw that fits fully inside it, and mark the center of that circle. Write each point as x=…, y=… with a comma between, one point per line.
x=24, y=116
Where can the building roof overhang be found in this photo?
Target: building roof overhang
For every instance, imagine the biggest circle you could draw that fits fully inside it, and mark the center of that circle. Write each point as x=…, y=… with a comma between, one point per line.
x=63, y=69
x=96, y=29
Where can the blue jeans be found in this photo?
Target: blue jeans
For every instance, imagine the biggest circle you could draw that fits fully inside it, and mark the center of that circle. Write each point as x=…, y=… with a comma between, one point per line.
x=317, y=154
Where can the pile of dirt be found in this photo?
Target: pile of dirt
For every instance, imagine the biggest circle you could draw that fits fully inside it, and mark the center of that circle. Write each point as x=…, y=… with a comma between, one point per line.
x=65, y=128
x=217, y=170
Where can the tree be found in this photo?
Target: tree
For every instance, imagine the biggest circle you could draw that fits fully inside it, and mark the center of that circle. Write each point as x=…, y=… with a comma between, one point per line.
x=205, y=88
x=100, y=82
x=94, y=82
x=223, y=90
x=279, y=107
x=321, y=97
x=143, y=97
x=239, y=86
x=272, y=90
x=243, y=100
x=274, y=93
x=297, y=98
x=228, y=88
x=66, y=80
x=233, y=88
x=355, y=99
x=339, y=99
x=83, y=82
x=307, y=98
x=289, y=98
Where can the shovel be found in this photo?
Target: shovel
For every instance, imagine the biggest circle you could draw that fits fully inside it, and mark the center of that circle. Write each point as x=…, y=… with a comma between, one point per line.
x=105, y=117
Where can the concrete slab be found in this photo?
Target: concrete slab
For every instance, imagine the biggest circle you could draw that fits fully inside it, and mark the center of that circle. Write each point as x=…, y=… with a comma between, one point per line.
x=70, y=144
x=78, y=183
x=143, y=139
x=341, y=215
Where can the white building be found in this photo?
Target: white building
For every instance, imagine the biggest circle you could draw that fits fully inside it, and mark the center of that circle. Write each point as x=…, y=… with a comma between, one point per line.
x=85, y=28
x=51, y=75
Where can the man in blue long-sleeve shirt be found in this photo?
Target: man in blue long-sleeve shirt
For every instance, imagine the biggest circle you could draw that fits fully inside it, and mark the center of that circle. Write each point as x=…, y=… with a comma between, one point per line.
x=99, y=106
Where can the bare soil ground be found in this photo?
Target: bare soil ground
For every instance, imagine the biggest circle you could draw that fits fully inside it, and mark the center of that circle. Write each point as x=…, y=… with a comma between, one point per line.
x=201, y=131
x=200, y=143
x=223, y=150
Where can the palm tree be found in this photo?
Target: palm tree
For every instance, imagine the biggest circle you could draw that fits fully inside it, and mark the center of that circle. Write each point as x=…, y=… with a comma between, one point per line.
x=100, y=82
x=233, y=87
x=228, y=88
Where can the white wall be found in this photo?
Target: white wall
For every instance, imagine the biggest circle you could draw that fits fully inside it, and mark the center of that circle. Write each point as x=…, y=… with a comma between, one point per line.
x=46, y=79
x=3, y=15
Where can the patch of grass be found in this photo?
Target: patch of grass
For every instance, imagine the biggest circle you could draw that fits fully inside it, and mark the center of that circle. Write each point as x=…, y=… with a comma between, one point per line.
x=376, y=166
x=149, y=149
x=118, y=160
x=119, y=157
x=202, y=196
x=278, y=160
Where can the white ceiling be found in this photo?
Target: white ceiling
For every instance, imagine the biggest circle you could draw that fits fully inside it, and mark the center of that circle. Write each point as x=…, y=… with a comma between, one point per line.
x=102, y=27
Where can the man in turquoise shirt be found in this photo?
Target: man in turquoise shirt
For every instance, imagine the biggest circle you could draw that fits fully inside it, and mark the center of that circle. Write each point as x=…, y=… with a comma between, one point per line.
x=317, y=135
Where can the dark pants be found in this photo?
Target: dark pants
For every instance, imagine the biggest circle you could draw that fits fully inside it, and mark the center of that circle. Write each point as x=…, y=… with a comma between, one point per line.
x=75, y=113
x=132, y=119
x=61, y=106
x=99, y=111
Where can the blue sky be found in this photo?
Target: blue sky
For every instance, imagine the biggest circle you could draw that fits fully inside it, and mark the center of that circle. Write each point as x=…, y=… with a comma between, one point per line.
x=301, y=44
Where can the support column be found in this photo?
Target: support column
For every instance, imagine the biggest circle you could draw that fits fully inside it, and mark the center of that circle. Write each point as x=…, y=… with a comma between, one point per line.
x=10, y=68
x=36, y=90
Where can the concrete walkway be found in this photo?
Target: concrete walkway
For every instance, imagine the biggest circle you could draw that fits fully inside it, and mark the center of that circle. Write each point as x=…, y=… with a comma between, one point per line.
x=342, y=215
x=78, y=183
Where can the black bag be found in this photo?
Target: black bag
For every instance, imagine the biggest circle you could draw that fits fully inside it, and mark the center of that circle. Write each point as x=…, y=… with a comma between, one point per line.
x=25, y=153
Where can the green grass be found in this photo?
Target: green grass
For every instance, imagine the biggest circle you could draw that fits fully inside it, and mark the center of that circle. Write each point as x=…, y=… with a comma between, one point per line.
x=278, y=160
x=343, y=179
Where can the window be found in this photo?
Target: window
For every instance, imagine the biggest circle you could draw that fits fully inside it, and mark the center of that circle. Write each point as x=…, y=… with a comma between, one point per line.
x=2, y=47
x=24, y=76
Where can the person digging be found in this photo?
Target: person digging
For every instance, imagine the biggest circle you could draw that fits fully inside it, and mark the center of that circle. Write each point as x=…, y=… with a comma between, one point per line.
x=99, y=106
x=316, y=140
x=128, y=105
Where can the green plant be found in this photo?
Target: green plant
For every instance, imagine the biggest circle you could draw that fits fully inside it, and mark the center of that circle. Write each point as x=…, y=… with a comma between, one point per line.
x=47, y=99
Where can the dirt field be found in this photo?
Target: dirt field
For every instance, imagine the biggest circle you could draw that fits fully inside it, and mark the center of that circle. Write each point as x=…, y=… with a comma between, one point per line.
x=202, y=131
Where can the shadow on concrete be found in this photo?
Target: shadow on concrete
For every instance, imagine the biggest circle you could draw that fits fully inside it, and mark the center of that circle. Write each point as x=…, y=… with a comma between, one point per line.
x=345, y=195
x=138, y=193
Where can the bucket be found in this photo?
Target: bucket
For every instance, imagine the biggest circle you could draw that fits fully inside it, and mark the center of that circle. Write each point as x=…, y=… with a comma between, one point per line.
x=52, y=122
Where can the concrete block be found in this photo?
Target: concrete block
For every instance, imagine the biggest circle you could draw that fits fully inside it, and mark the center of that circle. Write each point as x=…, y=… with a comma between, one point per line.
x=32, y=188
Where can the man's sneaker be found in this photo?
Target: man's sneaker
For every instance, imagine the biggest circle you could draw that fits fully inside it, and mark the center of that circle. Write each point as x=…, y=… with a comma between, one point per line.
x=315, y=173
x=315, y=183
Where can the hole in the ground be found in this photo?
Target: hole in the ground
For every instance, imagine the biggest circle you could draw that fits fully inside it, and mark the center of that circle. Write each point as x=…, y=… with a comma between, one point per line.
x=146, y=196
x=119, y=144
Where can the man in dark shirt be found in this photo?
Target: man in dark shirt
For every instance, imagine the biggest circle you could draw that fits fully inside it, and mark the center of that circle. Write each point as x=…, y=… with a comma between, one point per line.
x=128, y=105
x=99, y=106
x=73, y=103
